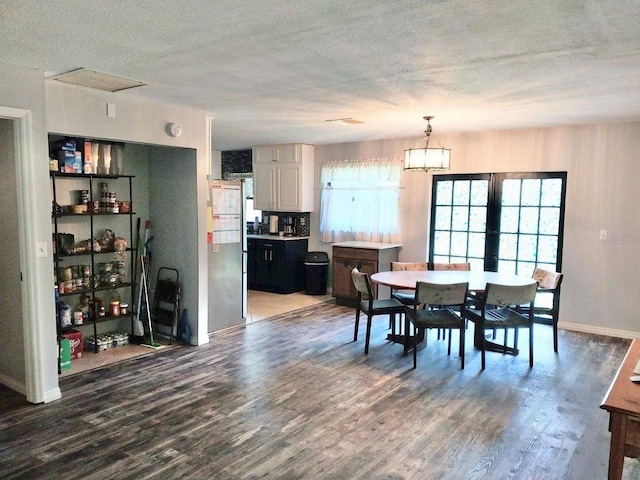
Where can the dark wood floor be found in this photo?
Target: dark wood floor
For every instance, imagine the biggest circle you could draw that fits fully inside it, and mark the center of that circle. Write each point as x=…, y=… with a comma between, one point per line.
x=294, y=398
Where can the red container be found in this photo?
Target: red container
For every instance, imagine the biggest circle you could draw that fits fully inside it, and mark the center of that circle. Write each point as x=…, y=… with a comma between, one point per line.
x=75, y=339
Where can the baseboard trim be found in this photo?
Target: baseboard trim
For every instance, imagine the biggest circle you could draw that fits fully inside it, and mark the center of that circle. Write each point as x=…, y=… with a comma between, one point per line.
x=609, y=332
x=52, y=395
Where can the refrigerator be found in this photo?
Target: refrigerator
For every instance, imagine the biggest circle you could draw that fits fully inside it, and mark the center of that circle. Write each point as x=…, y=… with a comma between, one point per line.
x=227, y=254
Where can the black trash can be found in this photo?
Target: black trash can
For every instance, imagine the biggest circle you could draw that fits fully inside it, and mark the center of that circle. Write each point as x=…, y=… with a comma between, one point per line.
x=316, y=265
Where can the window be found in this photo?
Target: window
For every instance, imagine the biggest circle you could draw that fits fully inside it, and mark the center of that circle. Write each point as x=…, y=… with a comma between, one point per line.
x=508, y=222
x=360, y=200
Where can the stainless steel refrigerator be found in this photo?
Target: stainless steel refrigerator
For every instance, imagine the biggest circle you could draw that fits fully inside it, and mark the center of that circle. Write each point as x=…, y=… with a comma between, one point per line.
x=227, y=251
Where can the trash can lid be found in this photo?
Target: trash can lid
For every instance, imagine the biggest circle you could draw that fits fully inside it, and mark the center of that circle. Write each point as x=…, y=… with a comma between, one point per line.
x=316, y=258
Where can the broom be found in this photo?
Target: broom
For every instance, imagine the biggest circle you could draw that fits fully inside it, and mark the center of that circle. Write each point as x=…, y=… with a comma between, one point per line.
x=144, y=291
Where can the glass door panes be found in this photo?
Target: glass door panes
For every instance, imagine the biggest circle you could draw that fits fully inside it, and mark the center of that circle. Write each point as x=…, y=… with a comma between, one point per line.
x=529, y=224
x=459, y=230
x=509, y=222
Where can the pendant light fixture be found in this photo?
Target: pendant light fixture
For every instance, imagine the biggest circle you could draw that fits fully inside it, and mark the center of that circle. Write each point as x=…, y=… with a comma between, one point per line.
x=427, y=159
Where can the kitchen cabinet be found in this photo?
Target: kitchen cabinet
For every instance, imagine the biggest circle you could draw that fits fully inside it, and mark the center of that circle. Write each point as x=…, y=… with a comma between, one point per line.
x=368, y=257
x=278, y=265
x=283, y=178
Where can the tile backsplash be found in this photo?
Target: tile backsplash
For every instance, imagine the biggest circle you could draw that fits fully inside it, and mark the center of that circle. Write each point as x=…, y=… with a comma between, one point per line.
x=302, y=221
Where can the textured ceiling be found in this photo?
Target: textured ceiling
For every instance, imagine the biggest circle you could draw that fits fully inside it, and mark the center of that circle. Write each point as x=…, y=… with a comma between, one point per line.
x=274, y=71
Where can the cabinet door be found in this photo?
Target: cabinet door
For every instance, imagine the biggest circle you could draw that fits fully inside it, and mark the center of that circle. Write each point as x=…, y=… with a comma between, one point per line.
x=264, y=155
x=342, y=283
x=264, y=180
x=288, y=153
x=288, y=192
x=263, y=266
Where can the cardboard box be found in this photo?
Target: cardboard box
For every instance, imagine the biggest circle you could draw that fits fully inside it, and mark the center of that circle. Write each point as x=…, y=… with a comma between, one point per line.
x=75, y=339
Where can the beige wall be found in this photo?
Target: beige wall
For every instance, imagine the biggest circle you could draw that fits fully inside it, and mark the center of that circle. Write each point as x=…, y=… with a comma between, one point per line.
x=602, y=278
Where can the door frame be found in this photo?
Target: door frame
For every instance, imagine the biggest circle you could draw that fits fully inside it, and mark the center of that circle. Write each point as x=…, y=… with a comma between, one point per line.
x=25, y=168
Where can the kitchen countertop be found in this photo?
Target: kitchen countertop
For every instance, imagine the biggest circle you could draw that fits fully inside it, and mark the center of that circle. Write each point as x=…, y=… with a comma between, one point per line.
x=369, y=245
x=266, y=236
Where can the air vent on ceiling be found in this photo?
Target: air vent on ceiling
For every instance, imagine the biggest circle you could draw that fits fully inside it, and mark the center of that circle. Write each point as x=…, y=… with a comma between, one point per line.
x=98, y=80
x=345, y=121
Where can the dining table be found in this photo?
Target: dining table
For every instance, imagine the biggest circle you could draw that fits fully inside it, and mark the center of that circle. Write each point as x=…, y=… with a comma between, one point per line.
x=406, y=280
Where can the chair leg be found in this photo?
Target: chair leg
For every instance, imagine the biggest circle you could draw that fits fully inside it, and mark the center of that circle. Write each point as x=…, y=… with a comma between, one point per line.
x=482, y=352
x=355, y=330
x=449, y=346
x=415, y=347
x=506, y=336
x=462, y=347
x=555, y=334
x=366, y=341
x=392, y=323
x=407, y=338
x=515, y=338
x=531, y=345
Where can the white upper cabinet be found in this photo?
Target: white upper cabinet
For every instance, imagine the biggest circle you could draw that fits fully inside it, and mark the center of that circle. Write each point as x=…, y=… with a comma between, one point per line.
x=283, y=178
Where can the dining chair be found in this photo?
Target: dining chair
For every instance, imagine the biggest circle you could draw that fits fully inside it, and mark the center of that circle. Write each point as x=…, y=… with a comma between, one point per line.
x=459, y=267
x=445, y=297
x=407, y=297
x=547, y=307
x=504, y=307
x=370, y=306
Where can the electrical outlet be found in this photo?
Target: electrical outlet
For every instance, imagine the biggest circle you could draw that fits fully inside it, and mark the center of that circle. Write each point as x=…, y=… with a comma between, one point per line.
x=41, y=249
x=303, y=221
x=216, y=248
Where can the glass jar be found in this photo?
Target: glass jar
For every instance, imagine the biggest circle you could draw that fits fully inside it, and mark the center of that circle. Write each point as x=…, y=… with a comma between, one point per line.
x=114, y=303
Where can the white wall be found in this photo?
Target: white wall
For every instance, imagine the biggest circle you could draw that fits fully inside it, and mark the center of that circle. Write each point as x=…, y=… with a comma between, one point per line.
x=602, y=278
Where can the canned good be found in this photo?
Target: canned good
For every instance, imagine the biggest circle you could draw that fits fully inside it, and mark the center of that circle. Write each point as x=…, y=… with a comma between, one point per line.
x=124, y=308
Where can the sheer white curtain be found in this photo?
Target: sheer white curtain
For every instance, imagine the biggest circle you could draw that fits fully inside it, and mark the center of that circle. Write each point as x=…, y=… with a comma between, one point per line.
x=360, y=200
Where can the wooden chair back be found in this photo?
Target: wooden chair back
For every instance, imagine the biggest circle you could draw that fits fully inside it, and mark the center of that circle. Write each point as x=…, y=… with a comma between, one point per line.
x=439, y=294
x=463, y=267
x=362, y=284
x=547, y=279
x=497, y=294
x=409, y=266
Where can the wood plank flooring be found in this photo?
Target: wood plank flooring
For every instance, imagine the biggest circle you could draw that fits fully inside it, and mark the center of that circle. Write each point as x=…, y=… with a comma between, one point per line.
x=294, y=398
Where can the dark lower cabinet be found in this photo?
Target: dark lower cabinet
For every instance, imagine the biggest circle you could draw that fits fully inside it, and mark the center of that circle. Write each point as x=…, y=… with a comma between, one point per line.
x=278, y=265
x=251, y=263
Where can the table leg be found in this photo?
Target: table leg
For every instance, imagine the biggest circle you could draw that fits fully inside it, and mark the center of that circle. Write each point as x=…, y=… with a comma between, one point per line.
x=616, y=449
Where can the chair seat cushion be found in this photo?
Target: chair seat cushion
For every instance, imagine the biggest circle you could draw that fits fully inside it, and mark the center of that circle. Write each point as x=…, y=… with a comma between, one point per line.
x=499, y=318
x=441, y=318
x=405, y=298
x=382, y=306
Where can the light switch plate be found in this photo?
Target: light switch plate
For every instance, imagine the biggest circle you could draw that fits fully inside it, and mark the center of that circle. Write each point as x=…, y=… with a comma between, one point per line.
x=603, y=234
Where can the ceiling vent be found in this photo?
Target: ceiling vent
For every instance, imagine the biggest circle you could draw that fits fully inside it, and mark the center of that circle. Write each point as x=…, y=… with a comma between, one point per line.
x=98, y=80
x=345, y=121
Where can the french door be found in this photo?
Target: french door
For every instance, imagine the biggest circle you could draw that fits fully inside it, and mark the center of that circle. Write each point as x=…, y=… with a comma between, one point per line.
x=506, y=222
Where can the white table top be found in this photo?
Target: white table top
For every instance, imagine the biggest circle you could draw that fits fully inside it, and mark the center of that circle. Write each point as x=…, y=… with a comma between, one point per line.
x=406, y=280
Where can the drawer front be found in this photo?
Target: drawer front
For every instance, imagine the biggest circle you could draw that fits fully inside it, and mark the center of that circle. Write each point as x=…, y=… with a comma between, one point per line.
x=356, y=253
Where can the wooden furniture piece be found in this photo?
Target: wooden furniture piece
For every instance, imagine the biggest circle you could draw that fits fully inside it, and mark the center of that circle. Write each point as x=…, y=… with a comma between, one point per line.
x=283, y=178
x=367, y=303
x=477, y=283
x=276, y=264
x=367, y=257
x=501, y=310
x=407, y=298
x=622, y=401
x=438, y=300
x=548, y=285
